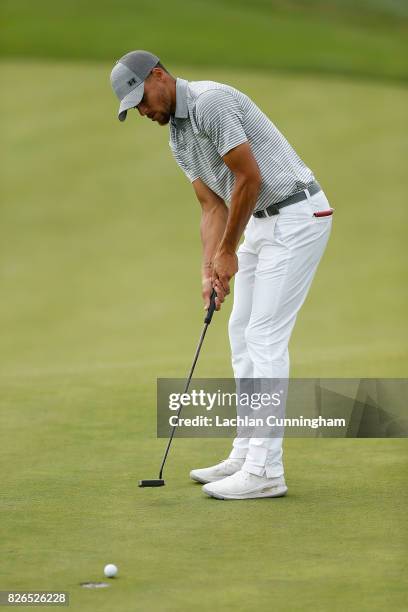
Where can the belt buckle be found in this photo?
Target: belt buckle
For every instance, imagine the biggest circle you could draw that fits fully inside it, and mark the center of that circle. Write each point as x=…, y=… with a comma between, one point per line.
x=274, y=210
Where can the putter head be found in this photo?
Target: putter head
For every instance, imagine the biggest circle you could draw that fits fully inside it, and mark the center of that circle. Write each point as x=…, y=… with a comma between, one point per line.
x=152, y=483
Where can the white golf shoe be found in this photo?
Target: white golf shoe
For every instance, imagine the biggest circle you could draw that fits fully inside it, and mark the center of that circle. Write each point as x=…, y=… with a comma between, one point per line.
x=243, y=485
x=217, y=472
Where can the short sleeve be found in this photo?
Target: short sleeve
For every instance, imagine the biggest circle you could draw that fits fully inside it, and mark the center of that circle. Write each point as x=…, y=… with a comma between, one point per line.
x=219, y=116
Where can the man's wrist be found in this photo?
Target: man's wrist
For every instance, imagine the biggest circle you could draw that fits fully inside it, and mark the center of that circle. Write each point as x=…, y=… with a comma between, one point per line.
x=226, y=248
x=206, y=269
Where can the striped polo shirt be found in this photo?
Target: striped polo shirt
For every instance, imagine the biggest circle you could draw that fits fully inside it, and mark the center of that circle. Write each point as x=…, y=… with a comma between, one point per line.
x=211, y=119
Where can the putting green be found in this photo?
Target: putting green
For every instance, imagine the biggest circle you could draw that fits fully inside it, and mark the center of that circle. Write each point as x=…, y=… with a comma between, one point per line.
x=101, y=295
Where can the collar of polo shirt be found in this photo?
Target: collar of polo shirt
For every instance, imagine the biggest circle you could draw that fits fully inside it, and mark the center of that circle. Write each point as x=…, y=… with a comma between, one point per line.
x=181, y=111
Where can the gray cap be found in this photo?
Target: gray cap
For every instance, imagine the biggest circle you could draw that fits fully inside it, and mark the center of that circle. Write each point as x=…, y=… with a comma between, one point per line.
x=127, y=78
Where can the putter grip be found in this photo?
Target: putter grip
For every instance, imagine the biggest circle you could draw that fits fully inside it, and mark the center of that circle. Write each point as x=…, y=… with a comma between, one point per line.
x=211, y=308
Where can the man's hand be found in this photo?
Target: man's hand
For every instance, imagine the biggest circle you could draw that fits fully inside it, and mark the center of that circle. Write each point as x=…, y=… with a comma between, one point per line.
x=206, y=290
x=217, y=276
x=225, y=266
x=207, y=287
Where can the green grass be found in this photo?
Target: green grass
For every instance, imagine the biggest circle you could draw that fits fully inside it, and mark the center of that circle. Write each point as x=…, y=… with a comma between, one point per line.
x=100, y=281
x=362, y=39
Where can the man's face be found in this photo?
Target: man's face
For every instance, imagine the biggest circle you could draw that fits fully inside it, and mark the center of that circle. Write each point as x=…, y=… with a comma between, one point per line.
x=156, y=101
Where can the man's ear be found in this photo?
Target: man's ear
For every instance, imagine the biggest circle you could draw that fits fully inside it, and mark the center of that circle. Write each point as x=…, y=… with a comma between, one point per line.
x=157, y=73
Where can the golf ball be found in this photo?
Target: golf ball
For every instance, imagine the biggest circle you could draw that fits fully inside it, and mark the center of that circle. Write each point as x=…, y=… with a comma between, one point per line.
x=110, y=570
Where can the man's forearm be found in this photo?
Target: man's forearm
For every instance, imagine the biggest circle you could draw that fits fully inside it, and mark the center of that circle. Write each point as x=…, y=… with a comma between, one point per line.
x=212, y=229
x=243, y=200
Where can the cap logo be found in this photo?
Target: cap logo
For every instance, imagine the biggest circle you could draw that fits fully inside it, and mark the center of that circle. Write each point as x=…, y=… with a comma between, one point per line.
x=131, y=82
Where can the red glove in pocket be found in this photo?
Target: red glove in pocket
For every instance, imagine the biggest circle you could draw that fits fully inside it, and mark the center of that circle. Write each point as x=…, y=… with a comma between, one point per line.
x=324, y=213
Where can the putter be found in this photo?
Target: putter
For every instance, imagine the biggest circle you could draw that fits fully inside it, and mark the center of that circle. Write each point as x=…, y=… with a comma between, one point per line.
x=159, y=482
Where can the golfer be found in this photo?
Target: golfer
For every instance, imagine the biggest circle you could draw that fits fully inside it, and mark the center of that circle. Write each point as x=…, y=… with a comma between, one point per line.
x=248, y=180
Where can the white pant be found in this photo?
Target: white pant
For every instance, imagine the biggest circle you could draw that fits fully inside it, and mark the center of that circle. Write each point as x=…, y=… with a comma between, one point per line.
x=276, y=265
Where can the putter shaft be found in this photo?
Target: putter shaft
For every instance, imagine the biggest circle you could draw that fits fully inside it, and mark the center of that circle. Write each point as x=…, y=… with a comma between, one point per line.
x=207, y=321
